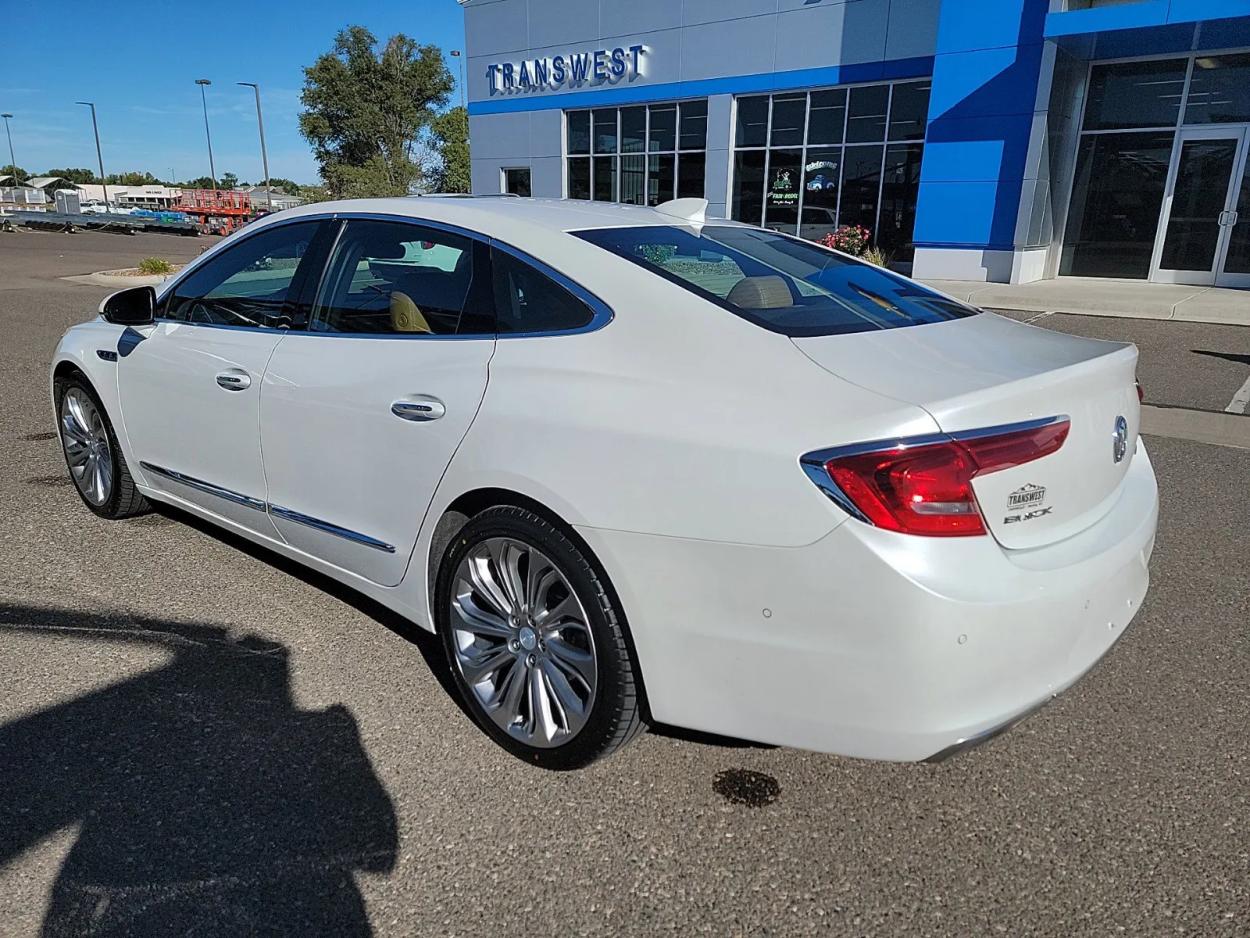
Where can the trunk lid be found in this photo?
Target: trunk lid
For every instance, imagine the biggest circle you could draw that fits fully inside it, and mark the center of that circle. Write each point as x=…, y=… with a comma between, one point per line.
x=987, y=371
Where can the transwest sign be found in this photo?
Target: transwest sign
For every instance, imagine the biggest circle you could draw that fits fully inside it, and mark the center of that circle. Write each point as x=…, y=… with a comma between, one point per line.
x=593, y=67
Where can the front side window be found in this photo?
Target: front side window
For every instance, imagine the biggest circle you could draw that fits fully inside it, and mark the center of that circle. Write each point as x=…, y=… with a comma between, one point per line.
x=644, y=154
x=251, y=284
x=780, y=283
x=527, y=300
x=392, y=278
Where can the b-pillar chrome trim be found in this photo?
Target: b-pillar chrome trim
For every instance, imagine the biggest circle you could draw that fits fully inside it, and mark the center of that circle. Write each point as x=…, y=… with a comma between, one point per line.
x=278, y=511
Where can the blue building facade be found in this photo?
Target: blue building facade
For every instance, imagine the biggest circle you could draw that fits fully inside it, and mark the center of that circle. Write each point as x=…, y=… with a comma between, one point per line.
x=1002, y=140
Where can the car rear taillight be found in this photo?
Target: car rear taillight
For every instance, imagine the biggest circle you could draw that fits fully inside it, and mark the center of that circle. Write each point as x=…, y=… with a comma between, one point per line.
x=924, y=486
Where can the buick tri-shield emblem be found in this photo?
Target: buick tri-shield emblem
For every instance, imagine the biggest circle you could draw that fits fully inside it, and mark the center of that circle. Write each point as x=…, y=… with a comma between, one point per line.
x=1119, y=443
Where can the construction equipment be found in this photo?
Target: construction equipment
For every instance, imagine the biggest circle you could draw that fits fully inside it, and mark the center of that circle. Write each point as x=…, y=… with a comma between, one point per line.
x=215, y=211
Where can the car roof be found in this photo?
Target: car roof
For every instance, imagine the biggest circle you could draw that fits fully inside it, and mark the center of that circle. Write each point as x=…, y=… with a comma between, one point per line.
x=502, y=216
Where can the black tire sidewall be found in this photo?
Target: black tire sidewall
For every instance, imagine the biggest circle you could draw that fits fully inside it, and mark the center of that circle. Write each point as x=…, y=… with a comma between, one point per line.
x=606, y=623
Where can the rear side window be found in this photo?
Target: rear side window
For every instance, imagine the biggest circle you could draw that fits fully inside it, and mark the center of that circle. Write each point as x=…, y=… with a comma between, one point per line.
x=780, y=283
x=391, y=278
x=252, y=283
x=527, y=300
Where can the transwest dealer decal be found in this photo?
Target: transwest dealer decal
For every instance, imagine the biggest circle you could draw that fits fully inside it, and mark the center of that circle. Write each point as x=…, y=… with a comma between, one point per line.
x=596, y=67
x=1026, y=503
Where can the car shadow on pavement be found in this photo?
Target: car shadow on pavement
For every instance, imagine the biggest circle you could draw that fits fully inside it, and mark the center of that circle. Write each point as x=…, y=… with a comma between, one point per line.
x=206, y=801
x=426, y=642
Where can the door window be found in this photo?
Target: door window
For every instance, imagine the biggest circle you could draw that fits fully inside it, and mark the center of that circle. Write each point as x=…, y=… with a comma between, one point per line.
x=528, y=300
x=391, y=278
x=253, y=283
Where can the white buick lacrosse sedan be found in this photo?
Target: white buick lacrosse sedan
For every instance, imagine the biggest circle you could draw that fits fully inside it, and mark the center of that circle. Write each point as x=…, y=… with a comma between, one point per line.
x=637, y=464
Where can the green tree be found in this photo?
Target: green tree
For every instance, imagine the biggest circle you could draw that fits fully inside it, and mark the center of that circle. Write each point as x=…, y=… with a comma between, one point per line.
x=203, y=182
x=279, y=184
x=365, y=111
x=19, y=175
x=132, y=179
x=78, y=175
x=229, y=180
x=450, y=135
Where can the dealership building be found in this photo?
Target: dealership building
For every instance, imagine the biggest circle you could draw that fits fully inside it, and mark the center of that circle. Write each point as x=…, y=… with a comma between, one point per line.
x=999, y=140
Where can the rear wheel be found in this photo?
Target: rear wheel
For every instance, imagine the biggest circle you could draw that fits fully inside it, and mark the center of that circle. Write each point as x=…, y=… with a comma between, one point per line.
x=92, y=455
x=535, y=642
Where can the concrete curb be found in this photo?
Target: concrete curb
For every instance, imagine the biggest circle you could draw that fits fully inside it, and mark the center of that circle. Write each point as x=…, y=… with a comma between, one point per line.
x=1128, y=300
x=104, y=278
x=1200, y=426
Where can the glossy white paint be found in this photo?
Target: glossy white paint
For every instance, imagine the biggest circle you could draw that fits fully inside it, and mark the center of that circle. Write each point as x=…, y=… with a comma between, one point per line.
x=670, y=439
x=335, y=451
x=178, y=417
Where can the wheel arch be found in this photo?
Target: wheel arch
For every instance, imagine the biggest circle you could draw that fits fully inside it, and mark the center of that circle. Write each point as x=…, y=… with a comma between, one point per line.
x=475, y=501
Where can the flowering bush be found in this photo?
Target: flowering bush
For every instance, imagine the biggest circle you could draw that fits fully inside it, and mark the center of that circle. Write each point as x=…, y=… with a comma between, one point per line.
x=851, y=239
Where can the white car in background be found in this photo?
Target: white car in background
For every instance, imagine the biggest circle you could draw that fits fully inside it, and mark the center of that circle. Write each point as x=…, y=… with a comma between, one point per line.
x=635, y=464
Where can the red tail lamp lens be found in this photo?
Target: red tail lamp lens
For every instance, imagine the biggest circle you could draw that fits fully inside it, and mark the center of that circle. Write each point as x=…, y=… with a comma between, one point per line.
x=927, y=489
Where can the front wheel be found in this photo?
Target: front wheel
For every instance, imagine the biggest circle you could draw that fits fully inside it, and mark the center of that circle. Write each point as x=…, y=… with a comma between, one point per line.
x=92, y=454
x=535, y=641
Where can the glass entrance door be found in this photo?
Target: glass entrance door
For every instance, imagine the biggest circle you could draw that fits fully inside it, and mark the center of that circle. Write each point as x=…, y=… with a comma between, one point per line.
x=1236, y=269
x=1200, y=207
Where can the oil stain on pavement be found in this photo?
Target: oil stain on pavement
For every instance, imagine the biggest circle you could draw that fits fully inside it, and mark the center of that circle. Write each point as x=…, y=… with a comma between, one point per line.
x=744, y=787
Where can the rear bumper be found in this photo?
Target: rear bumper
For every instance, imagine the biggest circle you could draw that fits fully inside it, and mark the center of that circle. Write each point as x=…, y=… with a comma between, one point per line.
x=873, y=644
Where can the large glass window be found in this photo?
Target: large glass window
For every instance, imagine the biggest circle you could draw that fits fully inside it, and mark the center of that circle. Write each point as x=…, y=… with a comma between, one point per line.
x=1124, y=95
x=1128, y=144
x=806, y=162
x=1116, y=198
x=641, y=155
x=253, y=283
x=779, y=283
x=1219, y=91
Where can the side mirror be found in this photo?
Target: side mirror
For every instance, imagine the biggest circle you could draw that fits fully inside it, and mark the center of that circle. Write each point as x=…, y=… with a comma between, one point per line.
x=133, y=307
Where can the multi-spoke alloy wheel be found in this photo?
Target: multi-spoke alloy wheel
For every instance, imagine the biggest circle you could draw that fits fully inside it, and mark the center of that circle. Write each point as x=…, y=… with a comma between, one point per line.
x=523, y=643
x=87, y=448
x=535, y=640
x=91, y=452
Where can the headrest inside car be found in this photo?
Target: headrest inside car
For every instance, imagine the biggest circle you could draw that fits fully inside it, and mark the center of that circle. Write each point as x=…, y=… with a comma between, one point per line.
x=766, y=292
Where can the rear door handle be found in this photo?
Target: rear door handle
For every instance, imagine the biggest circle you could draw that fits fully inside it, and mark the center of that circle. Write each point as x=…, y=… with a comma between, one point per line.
x=235, y=379
x=419, y=408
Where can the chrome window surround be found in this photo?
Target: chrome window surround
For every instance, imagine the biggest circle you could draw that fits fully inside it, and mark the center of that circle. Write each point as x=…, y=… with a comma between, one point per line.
x=602, y=314
x=813, y=463
x=257, y=504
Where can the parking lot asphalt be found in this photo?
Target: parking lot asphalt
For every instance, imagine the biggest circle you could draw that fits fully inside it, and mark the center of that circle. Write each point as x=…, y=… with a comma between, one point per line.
x=198, y=737
x=1181, y=364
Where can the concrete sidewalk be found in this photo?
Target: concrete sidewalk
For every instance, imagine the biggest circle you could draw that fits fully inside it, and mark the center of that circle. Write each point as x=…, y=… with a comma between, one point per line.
x=1131, y=298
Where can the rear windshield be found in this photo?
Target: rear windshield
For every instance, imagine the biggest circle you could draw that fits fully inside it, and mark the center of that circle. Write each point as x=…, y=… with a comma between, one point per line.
x=781, y=283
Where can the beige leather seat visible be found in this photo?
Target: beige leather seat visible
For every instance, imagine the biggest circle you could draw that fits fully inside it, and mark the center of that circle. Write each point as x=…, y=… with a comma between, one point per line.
x=766, y=292
x=406, y=316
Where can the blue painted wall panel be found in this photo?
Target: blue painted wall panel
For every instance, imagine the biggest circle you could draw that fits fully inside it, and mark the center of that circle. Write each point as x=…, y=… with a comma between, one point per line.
x=961, y=215
x=985, y=85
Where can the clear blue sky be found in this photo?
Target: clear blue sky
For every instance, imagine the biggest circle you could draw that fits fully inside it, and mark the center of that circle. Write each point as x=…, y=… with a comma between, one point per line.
x=138, y=61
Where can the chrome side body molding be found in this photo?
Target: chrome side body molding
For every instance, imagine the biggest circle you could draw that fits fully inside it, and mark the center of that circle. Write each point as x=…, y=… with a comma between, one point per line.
x=277, y=511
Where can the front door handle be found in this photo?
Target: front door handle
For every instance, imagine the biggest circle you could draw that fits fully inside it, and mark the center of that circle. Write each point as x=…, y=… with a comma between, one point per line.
x=418, y=407
x=235, y=379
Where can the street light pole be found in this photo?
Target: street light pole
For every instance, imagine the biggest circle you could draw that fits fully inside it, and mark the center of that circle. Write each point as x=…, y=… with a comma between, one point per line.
x=212, y=169
x=98, y=155
x=264, y=157
x=12, y=158
x=456, y=54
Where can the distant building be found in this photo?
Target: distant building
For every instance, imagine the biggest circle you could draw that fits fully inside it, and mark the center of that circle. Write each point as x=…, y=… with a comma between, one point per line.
x=25, y=198
x=153, y=196
x=276, y=199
